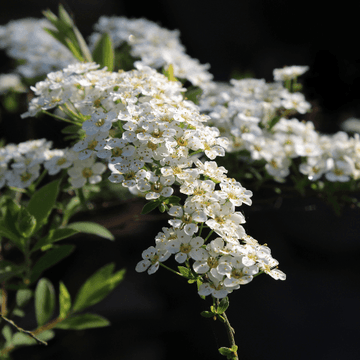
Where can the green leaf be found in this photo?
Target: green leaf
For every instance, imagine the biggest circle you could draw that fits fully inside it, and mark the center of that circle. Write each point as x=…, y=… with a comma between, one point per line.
x=169, y=73
x=11, y=215
x=193, y=95
x=26, y=223
x=7, y=333
x=42, y=202
x=52, y=257
x=150, y=206
x=18, y=312
x=53, y=236
x=103, y=53
x=82, y=322
x=64, y=16
x=64, y=300
x=97, y=287
x=172, y=200
x=24, y=339
x=274, y=121
x=185, y=272
x=91, y=228
x=44, y=301
x=23, y=296
x=9, y=270
x=15, y=239
x=71, y=129
x=224, y=304
x=225, y=351
x=75, y=51
x=207, y=314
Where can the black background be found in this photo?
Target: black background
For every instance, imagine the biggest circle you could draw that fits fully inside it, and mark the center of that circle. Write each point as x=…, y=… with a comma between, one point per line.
x=314, y=314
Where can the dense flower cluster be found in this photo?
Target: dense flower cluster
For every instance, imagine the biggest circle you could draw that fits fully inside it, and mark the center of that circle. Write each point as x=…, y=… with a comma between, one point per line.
x=26, y=39
x=155, y=46
x=244, y=111
x=139, y=124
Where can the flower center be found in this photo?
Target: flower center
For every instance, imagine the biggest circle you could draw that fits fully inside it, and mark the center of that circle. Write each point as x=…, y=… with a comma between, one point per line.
x=87, y=172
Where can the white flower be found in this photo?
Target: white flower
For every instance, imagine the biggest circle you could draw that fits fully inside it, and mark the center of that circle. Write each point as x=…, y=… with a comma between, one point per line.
x=152, y=256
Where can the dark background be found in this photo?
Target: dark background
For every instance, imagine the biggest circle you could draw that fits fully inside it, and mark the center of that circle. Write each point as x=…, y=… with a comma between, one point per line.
x=314, y=314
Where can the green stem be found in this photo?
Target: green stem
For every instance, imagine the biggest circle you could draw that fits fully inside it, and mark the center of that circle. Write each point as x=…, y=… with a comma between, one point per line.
x=58, y=117
x=229, y=330
x=208, y=236
x=166, y=267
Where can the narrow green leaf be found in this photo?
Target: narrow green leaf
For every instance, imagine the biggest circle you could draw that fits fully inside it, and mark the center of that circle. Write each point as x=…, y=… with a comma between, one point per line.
x=84, y=48
x=91, y=228
x=26, y=223
x=224, y=304
x=64, y=300
x=103, y=53
x=75, y=51
x=64, y=16
x=56, y=35
x=53, y=256
x=42, y=202
x=23, y=296
x=44, y=301
x=150, y=206
x=82, y=322
x=97, y=287
x=18, y=312
x=53, y=236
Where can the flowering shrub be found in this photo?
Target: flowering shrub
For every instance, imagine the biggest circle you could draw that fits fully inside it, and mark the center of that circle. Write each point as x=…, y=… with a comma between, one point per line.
x=142, y=129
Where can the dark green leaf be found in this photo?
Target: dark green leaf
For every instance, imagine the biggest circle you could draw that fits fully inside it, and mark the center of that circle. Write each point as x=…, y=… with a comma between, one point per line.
x=103, y=53
x=53, y=236
x=82, y=322
x=224, y=304
x=15, y=239
x=44, y=301
x=75, y=51
x=150, y=206
x=274, y=121
x=91, y=228
x=193, y=95
x=64, y=300
x=97, y=287
x=9, y=270
x=11, y=215
x=173, y=200
x=26, y=223
x=52, y=257
x=42, y=202
x=24, y=339
x=23, y=296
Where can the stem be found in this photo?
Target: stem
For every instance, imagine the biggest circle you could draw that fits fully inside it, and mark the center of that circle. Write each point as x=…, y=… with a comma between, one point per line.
x=229, y=330
x=175, y=272
x=58, y=117
x=32, y=334
x=208, y=236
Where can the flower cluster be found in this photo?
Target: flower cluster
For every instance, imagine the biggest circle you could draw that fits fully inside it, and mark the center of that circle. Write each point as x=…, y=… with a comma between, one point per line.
x=155, y=46
x=27, y=40
x=150, y=137
x=253, y=115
